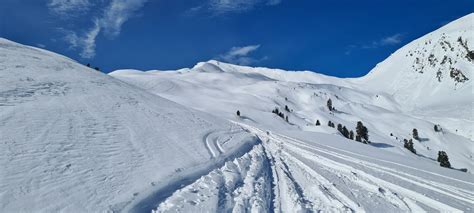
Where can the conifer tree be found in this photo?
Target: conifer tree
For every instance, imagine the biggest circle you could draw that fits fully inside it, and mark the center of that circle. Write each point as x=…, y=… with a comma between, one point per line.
x=238, y=113
x=362, y=131
x=443, y=159
x=415, y=134
x=317, y=123
x=329, y=104
x=345, y=132
x=408, y=144
x=351, y=135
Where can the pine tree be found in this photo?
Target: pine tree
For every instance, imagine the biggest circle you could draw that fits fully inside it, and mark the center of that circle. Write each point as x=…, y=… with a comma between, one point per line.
x=88, y=65
x=358, y=138
x=345, y=132
x=415, y=134
x=276, y=111
x=362, y=131
x=238, y=113
x=443, y=159
x=287, y=109
x=329, y=104
x=408, y=144
x=339, y=128
x=317, y=123
x=97, y=68
x=351, y=135
x=286, y=119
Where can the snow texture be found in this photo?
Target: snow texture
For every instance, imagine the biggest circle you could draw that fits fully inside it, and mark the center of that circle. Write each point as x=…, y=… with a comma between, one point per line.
x=76, y=140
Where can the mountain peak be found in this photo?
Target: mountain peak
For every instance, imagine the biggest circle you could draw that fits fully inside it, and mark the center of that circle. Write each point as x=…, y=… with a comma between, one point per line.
x=433, y=69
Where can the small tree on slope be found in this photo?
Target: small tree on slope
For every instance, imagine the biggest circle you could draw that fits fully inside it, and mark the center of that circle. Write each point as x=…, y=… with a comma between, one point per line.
x=415, y=134
x=409, y=145
x=443, y=159
x=362, y=131
x=329, y=104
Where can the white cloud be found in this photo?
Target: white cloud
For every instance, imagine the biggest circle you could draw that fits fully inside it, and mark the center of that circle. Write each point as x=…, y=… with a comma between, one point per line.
x=42, y=46
x=386, y=41
x=240, y=55
x=69, y=8
x=86, y=43
x=226, y=6
x=117, y=13
x=390, y=40
x=110, y=22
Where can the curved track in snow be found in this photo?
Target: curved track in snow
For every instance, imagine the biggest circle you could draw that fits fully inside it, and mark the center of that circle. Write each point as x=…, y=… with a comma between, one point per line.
x=284, y=174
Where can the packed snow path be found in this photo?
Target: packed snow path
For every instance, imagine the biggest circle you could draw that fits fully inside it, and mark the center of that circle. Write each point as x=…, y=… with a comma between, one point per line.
x=284, y=174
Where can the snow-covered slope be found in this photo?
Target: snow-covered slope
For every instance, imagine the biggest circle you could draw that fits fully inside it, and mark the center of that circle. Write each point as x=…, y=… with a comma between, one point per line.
x=433, y=76
x=76, y=140
x=391, y=101
x=432, y=70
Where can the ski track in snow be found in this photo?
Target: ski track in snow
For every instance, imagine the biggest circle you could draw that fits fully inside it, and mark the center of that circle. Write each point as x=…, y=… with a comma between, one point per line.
x=284, y=174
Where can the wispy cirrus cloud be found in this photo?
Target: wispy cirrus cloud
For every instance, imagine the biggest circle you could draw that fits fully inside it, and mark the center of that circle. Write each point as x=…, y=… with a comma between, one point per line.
x=117, y=13
x=391, y=40
x=241, y=55
x=69, y=8
x=220, y=7
x=385, y=41
x=109, y=22
x=86, y=42
x=225, y=6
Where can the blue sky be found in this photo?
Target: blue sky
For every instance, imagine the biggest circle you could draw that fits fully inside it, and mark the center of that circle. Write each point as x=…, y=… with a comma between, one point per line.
x=344, y=38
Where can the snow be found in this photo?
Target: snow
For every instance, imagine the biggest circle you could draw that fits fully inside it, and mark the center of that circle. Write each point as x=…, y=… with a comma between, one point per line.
x=76, y=140
x=73, y=139
x=313, y=176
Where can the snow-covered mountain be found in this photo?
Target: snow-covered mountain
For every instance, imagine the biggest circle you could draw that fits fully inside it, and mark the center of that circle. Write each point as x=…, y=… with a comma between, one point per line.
x=432, y=70
x=432, y=76
x=73, y=139
x=76, y=140
x=392, y=99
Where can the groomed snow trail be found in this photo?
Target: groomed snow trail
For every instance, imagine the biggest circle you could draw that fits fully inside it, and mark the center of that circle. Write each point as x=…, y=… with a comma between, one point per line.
x=284, y=174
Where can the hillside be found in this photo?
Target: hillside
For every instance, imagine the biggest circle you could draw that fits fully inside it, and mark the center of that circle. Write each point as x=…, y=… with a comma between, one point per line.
x=219, y=137
x=431, y=77
x=391, y=99
x=76, y=140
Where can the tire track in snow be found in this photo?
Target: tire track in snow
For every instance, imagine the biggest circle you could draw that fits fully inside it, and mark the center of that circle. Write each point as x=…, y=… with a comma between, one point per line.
x=177, y=183
x=209, y=145
x=447, y=190
x=212, y=143
x=406, y=192
x=380, y=160
x=308, y=190
x=240, y=185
